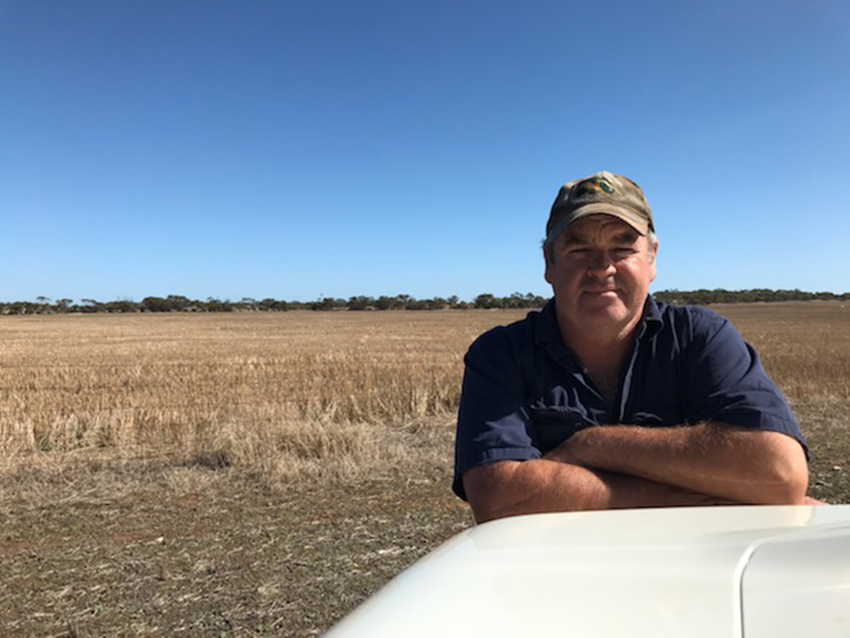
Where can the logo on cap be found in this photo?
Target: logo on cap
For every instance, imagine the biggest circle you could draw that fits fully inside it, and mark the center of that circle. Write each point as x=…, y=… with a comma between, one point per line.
x=593, y=185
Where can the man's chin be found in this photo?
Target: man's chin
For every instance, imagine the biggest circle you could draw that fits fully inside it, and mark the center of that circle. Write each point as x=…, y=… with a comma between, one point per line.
x=602, y=299
x=604, y=306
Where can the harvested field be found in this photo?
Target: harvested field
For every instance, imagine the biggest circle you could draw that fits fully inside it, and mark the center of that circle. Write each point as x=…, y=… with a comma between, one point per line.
x=262, y=473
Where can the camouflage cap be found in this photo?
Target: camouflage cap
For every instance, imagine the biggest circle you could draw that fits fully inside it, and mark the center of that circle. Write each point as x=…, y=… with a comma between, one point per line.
x=605, y=193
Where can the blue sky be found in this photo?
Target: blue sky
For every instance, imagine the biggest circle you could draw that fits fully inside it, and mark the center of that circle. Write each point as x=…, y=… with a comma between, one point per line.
x=308, y=148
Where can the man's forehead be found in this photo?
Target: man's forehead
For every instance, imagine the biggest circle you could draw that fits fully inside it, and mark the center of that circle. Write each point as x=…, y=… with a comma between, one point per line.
x=599, y=224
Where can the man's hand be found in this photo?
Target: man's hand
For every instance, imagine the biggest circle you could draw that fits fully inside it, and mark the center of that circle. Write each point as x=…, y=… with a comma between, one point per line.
x=751, y=466
x=810, y=500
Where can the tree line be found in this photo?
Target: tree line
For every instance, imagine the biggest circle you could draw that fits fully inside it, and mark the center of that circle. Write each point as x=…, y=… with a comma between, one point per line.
x=704, y=297
x=486, y=301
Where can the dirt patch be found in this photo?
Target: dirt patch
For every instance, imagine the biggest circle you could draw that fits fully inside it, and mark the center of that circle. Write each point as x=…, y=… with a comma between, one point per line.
x=232, y=559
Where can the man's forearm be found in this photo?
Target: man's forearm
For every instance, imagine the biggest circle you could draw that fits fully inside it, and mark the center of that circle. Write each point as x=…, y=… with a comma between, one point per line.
x=511, y=488
x=751, y=466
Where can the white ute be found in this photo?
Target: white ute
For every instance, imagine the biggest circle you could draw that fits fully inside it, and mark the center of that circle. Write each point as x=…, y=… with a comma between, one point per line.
x=713, y=572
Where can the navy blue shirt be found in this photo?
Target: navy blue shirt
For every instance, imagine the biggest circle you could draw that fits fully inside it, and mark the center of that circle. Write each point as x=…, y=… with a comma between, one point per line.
x=524, y=393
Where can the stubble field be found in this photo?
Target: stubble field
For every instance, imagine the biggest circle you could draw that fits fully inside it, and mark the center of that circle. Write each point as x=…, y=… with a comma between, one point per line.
x=262, y=473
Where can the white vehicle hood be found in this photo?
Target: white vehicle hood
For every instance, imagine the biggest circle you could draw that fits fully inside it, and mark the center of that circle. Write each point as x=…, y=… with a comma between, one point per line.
x=717, y=572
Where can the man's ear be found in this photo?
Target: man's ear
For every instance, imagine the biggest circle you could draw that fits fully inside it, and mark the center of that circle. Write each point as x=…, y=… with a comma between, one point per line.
x=546, y=275
x=653, y=256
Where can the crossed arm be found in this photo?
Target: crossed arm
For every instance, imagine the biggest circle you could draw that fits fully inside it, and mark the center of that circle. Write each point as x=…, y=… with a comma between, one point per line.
x=620, y=466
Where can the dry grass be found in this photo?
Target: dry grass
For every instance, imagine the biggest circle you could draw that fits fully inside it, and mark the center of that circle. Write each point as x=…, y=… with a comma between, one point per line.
x=804, y=346
x=289, y=396
x=255, y=474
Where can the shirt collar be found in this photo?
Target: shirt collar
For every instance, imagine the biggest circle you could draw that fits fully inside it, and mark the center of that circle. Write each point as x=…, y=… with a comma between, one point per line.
x=546, y=330
x=548, y=336
x=652, y=320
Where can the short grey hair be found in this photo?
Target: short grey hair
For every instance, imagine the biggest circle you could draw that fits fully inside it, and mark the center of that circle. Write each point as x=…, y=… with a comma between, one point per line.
x=652, y=240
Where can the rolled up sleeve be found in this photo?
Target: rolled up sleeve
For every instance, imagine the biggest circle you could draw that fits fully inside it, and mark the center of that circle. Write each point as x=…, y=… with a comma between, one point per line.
x=493, y=422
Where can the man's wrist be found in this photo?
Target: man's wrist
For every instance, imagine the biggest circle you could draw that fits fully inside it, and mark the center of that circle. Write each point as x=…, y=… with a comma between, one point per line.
x=571, y=450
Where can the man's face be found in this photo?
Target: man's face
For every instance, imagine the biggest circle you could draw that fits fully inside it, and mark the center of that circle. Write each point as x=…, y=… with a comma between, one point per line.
x=600, y=269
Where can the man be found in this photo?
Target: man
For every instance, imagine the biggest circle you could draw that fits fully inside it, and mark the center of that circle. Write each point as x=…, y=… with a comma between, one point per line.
x=609, y=399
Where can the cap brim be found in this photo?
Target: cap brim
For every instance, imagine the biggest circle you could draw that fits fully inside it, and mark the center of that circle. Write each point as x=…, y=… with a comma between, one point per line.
x=640, y=224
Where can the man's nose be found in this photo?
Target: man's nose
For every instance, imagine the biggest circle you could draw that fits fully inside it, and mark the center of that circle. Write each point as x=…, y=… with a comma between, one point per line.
x=601, y=263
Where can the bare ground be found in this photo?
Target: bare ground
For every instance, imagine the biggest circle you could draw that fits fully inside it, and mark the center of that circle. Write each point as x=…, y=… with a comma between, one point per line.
x=203, y=552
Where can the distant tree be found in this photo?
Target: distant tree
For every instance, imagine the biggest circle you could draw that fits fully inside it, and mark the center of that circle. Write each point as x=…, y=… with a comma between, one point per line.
x=534, y=301
x=385, y=303
x=217, y=305
x=486, y=301
x=281, y=305
x=89, y=305
x=329, y=303
x=155, y=304
x=417, y=304
x=437, y=303
x=121, y=305
x=178, y=303
x=361, y=303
